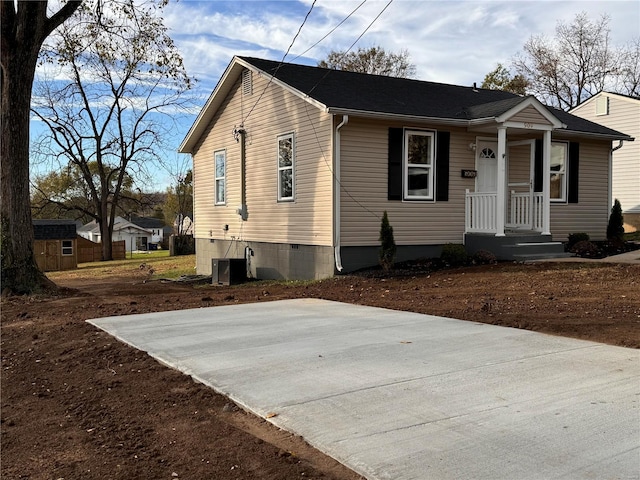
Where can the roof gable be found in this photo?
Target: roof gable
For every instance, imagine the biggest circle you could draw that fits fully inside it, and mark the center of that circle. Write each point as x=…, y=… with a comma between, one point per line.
x=617, y=96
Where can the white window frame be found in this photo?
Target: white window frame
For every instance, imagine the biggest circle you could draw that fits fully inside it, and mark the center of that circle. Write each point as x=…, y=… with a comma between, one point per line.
x=217, y=178
x=292, y=167
x=564, y=173
x=431, y=168
x=68, y=248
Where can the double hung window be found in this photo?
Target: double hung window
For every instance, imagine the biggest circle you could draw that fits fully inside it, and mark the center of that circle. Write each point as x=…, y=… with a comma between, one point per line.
x=220, y=159
x=286, y=167
x=419, y=155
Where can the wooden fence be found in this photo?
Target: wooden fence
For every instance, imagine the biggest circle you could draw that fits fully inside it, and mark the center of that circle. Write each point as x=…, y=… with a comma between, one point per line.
x=89, y=251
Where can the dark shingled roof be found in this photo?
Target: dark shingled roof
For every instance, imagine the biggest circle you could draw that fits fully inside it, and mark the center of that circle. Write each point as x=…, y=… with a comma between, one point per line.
x=147, y=222
x=54, y=229
x=342, y=90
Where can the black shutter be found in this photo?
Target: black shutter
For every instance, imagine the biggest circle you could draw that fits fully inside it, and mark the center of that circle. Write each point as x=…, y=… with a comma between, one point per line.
x=442, y=166
x=394, y=179
x=574, y=172
x=538, y=174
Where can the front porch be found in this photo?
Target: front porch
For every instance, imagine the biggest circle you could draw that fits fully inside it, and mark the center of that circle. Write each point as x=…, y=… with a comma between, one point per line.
x=524, y=212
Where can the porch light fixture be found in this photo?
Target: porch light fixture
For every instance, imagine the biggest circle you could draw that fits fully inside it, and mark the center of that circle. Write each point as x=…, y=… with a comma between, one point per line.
x=472, y=147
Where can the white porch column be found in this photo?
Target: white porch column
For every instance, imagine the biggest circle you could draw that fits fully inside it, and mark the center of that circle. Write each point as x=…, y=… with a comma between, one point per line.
x=546, y=183
x=501, y=181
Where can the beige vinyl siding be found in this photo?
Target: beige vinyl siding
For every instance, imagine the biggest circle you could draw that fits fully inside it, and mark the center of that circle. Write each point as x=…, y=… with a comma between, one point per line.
x=306, y=220
x=591, y=213
x=364, y=171
x=530, y=115
x=623, y=116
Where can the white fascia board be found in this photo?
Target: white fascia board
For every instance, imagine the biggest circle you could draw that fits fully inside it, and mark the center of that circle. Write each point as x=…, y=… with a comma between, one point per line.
x=219, y=94
x=599, y=136
x=535, y=103
x=397, y=117
x=528, y=126
x=211, y=106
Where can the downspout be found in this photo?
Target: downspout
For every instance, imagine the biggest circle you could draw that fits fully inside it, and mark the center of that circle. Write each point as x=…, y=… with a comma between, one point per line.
x=336, y=195
x=610, y=182
x=242, y=210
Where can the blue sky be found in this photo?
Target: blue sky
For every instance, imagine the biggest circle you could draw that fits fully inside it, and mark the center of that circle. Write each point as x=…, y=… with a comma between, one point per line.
x=449, y=41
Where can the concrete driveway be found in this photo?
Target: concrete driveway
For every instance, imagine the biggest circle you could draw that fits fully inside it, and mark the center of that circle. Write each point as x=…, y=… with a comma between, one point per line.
x=398, y=395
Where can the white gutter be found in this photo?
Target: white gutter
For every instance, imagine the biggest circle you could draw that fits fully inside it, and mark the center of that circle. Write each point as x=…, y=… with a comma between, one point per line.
x=336, y=195
x=396, y=116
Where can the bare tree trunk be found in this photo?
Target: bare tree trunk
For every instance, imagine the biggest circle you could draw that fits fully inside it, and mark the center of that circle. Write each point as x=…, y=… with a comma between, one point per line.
x=20, y=273
x=106, y=228
x=24, y=27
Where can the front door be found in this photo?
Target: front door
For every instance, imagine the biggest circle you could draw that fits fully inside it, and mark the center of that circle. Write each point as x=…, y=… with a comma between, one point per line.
x=487, y=167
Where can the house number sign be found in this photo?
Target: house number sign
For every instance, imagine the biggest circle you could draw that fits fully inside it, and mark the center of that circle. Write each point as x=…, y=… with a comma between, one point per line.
x=468, y=173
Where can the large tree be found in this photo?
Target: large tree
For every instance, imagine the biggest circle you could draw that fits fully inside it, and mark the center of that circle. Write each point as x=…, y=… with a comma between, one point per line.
x=374, y=60
x=628, y=78
x=24, y=26
x=108, y=121
x=63, y=193
x=501, y=79
x=574, y=65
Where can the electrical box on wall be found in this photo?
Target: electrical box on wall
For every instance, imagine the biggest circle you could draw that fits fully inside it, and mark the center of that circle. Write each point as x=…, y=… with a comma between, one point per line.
x=228, y=271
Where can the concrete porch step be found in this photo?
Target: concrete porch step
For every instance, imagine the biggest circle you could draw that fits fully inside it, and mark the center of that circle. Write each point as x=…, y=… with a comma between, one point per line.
x=540, y=256
x=520, y=246
x=523, y=249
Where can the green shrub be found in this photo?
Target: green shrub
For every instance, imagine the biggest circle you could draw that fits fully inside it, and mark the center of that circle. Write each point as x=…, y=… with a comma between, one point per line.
x=388, y=244
x=454, y=254
x=615, y=228
x=484, y=257
x=585, y=248
x=575, y=238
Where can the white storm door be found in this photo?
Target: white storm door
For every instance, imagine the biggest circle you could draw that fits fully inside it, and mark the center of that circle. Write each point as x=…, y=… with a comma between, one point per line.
x=487, y=167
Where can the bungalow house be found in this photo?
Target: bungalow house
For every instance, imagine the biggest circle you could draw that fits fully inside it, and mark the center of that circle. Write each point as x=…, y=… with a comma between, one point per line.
x=294, y=166
x=137, y=233
x=622, y=113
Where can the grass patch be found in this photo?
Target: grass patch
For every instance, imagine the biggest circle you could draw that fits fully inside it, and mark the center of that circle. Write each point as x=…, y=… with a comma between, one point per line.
x=163, y=265
x=632, y=237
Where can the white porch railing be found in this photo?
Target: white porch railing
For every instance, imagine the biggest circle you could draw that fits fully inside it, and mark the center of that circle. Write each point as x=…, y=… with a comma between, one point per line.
x=480, y=212
x=526, y=211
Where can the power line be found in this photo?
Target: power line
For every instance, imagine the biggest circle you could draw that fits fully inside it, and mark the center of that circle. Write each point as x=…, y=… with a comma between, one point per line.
x=352, y=45
x=331, y=31
x=281, y=61
x=333, y=174
x=318, y=83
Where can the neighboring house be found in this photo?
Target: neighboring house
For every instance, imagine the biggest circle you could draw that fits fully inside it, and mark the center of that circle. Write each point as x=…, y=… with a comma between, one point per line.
x=294, y=165
x=622, y=113
x=137, y=233
x=55, y=244
x=159, y=231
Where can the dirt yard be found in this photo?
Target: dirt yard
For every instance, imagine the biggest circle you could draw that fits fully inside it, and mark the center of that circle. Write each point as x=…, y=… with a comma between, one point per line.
x=77, y=404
